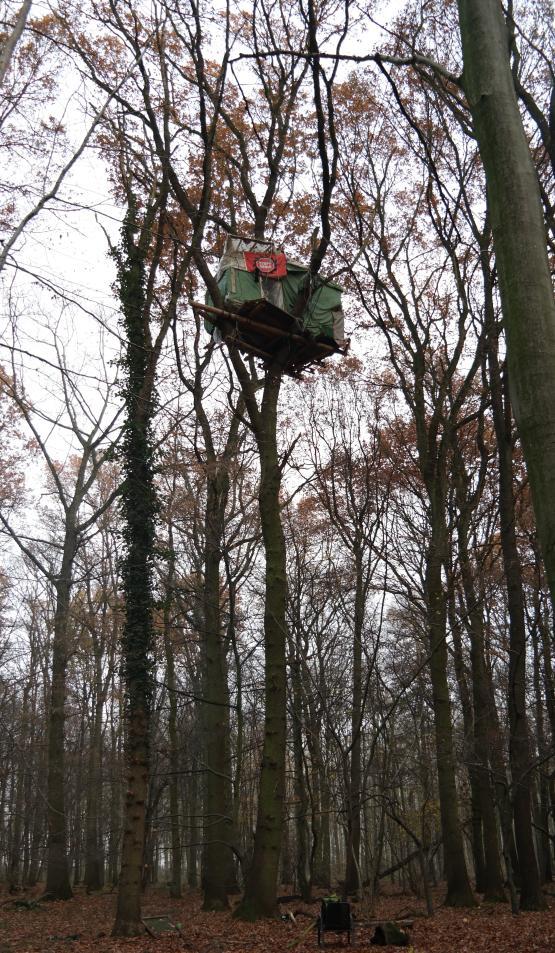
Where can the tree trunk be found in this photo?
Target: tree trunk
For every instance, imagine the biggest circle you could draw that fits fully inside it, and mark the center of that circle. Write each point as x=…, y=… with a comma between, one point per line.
x=139, y=507
x=520, y=250
x=301, y=799
x=34, y=766
x=459, y=893
x=10, y=41
x=192, y=852
x=37, y=836
x=478, y=854
x=76, y=838
x=519, y=750
x=354, y=781
x=321, y=848
x=240, y=720
x=261, y=887
x=115, y=792
x=94, y=854
x=214, y=714
x=546, y=871
x=57, y=871
x=16, y=844
x=492, y=878
x=175, y=888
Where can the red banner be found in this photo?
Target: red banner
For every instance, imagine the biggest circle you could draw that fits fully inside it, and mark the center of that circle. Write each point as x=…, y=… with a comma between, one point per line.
x=269, y=264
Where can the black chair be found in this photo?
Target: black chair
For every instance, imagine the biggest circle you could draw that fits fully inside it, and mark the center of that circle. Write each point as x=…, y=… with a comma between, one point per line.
x=335, y=917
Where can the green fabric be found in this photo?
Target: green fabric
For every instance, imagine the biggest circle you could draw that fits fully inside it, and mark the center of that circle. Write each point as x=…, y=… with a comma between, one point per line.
x=325, y=298
x=238, y=285
x=319, y=313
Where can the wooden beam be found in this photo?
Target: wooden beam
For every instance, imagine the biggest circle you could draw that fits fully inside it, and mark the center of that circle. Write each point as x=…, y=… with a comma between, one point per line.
x=266, y=329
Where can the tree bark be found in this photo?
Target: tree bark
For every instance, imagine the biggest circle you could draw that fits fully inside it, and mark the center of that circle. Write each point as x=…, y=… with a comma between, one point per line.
x=215, y=716
x=57, y=871
x=94, y=854
x=175, y=888
x=16, y=840
x=115, y=795
x=261, y=887
x=519, y=748
x=459, y=892
x=492, y=877
x=194, y=830
x=301, y=798
x=545, y=865
x=354, y=781
x=520, y=250
x=10, y=42
x=470, y=749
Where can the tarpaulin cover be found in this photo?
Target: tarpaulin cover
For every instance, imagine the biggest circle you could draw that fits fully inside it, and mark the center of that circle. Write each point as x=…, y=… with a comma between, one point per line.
x=322, y=315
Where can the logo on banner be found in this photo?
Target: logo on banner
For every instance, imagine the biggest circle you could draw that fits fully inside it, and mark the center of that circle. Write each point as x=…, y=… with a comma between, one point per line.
x=269, y=265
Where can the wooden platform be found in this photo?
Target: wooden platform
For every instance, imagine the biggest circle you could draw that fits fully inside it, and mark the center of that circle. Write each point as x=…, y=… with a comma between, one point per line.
x=265, y=331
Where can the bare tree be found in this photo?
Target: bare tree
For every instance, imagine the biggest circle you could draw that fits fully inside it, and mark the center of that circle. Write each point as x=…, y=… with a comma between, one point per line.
x=93, y=431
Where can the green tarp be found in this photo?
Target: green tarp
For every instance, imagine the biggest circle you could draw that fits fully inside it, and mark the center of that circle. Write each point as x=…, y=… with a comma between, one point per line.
x=323, y=314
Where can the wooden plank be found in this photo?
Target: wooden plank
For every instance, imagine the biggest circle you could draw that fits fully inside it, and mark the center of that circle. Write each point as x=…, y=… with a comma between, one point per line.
x=258, y=326
x=273, y=315
x=156, y=926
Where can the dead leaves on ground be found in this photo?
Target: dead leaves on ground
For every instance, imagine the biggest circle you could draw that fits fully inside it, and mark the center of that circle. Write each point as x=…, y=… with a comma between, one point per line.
x=83, y=925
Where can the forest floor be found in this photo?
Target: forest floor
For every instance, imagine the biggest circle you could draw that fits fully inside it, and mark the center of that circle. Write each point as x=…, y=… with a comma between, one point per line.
x=83, y=925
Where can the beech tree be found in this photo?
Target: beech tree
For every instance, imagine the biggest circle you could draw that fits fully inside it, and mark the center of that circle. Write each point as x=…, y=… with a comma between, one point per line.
x=520, y=249
x=12, y=39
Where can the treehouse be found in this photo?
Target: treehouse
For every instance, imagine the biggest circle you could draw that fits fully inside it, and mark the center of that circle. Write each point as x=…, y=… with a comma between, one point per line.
x=273, y=308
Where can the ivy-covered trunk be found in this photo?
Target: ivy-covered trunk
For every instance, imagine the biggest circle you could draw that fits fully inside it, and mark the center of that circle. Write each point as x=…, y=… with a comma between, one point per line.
x=139, y=509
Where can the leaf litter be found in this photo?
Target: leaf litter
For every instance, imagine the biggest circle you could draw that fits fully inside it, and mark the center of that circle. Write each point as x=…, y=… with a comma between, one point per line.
x=83, y=925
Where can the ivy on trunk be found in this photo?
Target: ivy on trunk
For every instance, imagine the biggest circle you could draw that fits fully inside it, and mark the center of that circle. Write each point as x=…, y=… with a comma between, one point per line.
x=139, y=506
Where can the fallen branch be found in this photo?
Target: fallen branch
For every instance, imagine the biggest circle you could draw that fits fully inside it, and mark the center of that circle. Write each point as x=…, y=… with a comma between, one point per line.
x=299, y=939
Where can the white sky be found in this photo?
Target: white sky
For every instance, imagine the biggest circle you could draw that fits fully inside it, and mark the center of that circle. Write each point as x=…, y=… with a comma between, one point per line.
x=66, y=250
